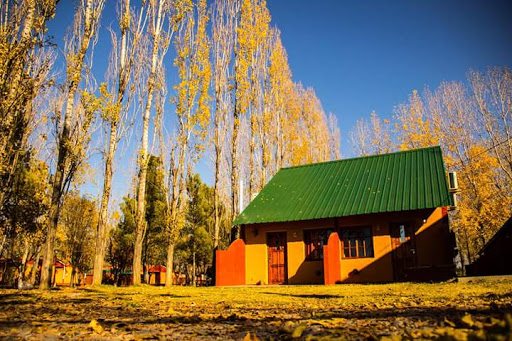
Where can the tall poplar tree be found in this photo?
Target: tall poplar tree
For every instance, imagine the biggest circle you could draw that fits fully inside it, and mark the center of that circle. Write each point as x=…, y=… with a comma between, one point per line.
x=25, y=64
x=258, y=49
x=72, y=131
x=192, y=110
x=241, y=98
x=276, y=114
x=160, y=14
x=115, y=111
x=224, y=22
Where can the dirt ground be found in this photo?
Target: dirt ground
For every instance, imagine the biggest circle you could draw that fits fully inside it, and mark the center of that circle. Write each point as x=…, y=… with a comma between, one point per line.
x=450, y=311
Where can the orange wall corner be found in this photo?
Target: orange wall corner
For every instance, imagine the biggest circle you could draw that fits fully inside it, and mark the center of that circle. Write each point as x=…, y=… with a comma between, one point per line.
x=230, y=265
x=332, y=260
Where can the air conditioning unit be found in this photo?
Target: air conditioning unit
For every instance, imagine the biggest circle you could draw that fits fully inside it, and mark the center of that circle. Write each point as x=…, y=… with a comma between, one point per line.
x=454, y=199
x=453, y=186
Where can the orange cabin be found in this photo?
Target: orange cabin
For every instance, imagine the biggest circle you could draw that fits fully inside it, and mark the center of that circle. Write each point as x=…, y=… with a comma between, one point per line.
x=380, y=218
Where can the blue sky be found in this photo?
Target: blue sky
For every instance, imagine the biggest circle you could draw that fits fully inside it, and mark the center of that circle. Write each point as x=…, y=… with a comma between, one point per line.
x=359, y=55
x=369, y=55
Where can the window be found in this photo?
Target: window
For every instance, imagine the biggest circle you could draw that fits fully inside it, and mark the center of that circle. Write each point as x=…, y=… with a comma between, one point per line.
x=402, y=234
x=357, y=242
x=315, y=240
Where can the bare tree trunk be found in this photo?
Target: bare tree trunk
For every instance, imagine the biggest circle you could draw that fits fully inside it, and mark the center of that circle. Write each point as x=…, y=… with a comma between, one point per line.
x=23, y=266
x=218, y=147
x=468, y=250
x=53, y=276
x=117, y=278
x=170, y=260
x=35, y=267
x=264, y=160
x=140, y=229
x=48, y=251
x=252, y=150
x=178, y=189
x=216, y=231
x=145, y=265
x=216, y=228
x=2, y=244
x=194, y=279
x=235, y=169
x=103, y=214
x=141, y=192
x=73, y=275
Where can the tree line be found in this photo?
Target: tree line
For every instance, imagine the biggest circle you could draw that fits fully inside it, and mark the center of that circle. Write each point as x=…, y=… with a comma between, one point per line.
x=472, y=122
x=234, y=100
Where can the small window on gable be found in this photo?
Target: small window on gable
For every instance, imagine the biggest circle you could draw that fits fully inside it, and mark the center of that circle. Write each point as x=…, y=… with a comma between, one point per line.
x=315, y=241
x=357, y=242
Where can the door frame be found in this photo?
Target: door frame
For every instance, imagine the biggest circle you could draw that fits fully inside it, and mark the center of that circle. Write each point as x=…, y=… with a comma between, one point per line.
x=401, y=262
x=285, y=256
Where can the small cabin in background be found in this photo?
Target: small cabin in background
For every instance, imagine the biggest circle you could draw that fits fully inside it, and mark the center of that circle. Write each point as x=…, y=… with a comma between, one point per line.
x=157, y=275
x=62, y=274
x=495, y=258
x=379, y=218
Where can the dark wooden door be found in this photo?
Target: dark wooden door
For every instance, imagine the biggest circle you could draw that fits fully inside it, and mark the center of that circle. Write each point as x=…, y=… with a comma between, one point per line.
x=403, y=243
x=276, y=243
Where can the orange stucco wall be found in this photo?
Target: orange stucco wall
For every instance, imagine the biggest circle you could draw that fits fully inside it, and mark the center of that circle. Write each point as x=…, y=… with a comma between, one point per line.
x=430, y=237
x=332, y=258
x=299, y=270
x=433, y=243
x=375, y=269
x=230, y=265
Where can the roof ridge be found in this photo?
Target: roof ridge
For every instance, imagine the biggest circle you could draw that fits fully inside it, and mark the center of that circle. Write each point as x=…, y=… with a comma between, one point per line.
x=360, y=157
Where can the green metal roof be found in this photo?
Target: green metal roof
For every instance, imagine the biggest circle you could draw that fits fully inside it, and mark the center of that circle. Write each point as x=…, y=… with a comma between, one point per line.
x=408, y=180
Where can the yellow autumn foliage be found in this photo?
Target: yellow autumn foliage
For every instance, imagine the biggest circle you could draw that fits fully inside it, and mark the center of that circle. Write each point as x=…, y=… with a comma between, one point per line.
x=470, y=123
x=482, y=207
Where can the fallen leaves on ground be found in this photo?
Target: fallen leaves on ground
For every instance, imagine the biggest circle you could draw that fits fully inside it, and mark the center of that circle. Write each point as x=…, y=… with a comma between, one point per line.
x=96, y=326
x=448, y=311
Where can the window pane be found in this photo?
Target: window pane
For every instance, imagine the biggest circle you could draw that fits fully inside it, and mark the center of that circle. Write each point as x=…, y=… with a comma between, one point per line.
x=357, y=242
x=315, y=240
x=361, y=250
x=369, y=247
